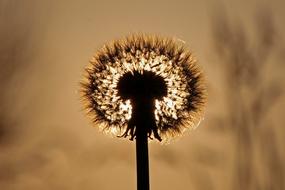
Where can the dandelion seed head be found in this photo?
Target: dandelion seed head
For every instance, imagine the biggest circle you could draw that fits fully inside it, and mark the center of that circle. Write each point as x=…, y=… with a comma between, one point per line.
x=182, y=106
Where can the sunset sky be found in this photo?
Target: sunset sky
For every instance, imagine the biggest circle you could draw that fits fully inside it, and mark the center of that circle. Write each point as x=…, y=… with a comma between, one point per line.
x=47, y=142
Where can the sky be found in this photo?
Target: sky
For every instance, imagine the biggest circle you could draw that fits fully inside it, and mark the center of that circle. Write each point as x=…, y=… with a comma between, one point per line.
x=47, y=142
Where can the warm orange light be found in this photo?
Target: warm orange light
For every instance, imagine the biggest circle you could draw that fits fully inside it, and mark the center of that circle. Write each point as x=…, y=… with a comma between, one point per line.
x=181, y=108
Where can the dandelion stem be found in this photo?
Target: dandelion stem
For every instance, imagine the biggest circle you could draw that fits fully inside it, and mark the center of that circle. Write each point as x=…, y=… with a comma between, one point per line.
x=142, y=159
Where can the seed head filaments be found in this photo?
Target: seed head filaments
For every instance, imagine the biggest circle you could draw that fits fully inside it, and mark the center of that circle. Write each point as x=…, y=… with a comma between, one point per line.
x=151, y=70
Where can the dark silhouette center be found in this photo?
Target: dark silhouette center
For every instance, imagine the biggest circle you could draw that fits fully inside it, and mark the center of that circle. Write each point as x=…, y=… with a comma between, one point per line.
x=139, y=86
x=142, y=89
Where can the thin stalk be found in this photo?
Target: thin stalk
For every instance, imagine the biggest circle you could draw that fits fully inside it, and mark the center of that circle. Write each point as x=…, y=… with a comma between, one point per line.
x=142, y=159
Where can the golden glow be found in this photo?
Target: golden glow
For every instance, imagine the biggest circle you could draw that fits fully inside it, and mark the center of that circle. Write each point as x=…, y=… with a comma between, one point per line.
x=120, y=111
x=172, y=113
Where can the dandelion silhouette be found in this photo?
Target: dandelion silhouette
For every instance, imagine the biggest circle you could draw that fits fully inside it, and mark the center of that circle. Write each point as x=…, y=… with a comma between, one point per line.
x=144, y=87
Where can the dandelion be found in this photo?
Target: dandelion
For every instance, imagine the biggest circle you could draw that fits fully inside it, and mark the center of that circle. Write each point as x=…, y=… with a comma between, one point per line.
x=144, y=87
x=153, y=59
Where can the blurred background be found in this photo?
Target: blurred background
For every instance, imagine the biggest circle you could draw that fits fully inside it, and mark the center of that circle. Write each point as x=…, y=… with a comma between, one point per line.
x=46, y=142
